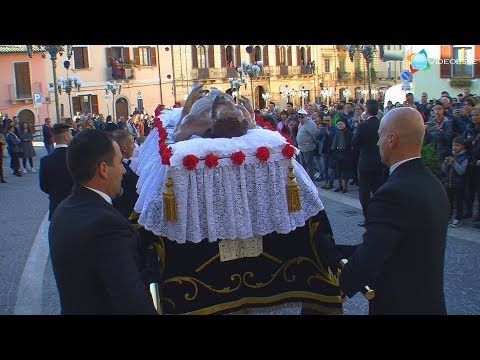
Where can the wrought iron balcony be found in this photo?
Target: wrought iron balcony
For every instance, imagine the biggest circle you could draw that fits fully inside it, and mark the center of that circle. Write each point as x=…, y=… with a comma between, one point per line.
x=306, y=70
x=23, y=93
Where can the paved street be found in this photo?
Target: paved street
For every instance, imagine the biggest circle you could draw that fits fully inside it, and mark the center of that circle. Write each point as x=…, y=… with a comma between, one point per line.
x=27, y=285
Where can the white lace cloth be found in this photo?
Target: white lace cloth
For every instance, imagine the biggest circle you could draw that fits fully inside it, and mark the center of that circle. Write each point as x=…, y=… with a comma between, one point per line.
x=149, y=154
x=227, y=201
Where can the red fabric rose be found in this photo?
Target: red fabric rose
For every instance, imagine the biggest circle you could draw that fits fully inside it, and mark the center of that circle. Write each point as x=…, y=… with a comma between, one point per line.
x=159, y=109
x=162, y=145
x=238, y=157
x=288, y=151
x=263, y=153
x=166, y=154
x=190, y=162
x=211, y=160
x=162, y=134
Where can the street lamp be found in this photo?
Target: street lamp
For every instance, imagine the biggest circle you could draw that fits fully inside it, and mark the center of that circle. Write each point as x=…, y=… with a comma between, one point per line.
x=267, y=96
x=112, y=87
x=236, y=84
x=346, y=94
x=252, y=70
x=68, y=84
x=53, y=50
x=326, y=93
x=367, y=51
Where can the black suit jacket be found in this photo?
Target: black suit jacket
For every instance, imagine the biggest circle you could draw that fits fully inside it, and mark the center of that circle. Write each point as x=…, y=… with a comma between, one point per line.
x=126, y=202
x=95, y=257
x=365, y=140
x=111, y=126
x=55, y=180
x=403, y=249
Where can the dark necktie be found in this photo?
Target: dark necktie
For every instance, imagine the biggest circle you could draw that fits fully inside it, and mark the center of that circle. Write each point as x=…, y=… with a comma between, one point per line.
x=128, y=162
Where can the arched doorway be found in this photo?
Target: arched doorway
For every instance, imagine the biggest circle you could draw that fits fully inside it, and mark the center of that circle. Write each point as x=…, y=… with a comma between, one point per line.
x=259, y=91
x=121, y=108
x=28, y=116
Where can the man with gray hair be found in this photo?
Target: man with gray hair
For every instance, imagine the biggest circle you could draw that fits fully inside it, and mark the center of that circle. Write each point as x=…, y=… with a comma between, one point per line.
x=307, y=142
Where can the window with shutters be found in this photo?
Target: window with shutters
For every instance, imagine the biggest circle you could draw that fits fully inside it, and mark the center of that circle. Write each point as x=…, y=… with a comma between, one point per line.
x=327, y=65
x=283, y=58
x=23, y=87
x=144, y=56
x=229, y=56
x=462, y=62
x=119, y=52
x=80, y=57
x=356, y=63
x=85, y=104
x=202, y=57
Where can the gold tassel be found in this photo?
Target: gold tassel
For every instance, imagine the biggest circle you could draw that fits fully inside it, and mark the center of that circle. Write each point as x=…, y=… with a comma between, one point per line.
x=134, y=215
x=293, y=192
x=169, y=204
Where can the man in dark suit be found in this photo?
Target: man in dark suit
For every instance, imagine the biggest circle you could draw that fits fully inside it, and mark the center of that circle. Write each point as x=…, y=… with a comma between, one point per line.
x=94, y=250
x=365, y=140
x=55, y=180
x=402, y=254
x=126, y=202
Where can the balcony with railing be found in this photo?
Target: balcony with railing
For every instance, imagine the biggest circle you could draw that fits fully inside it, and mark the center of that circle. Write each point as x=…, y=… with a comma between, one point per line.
x=306, y=70
x=283, y=70
x=359, y=75
x=126, y=72
x=23, y=93
x=344, y=76
x=231, y=72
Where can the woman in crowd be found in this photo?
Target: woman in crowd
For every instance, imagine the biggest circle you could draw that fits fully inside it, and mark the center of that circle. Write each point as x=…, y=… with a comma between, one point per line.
x=26, y=138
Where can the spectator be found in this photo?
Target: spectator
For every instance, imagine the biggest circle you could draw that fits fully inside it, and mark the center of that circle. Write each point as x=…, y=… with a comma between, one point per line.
x=14, y=150
x=454, y=169
x=28, y=151
x=47, y=133
x=2, y=147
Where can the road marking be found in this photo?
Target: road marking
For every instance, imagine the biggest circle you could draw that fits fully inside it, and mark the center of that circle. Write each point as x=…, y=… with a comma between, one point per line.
x=30, y=289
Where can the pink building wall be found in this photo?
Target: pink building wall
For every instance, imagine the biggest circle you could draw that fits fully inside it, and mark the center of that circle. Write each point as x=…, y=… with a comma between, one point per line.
x=37, y=74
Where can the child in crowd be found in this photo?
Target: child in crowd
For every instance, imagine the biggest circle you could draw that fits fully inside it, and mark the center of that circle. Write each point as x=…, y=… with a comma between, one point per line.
x=454, y=170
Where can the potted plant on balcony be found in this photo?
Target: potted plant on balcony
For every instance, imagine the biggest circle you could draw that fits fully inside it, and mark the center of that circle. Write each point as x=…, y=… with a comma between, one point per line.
x=460, y=82
x=130, y=64
x=342, y=74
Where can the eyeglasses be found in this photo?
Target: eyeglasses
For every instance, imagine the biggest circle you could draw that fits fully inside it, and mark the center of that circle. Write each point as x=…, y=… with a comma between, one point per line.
x=301, y=116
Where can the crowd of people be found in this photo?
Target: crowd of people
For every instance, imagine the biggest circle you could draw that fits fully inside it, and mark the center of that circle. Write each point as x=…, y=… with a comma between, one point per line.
x=123, y=174
x=338, y=144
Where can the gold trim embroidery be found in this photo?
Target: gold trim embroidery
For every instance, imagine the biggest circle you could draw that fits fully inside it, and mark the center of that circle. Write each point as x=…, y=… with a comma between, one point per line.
x=265, y=300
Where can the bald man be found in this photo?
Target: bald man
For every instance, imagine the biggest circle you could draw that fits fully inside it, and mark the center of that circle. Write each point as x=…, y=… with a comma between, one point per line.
x=402, y=254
